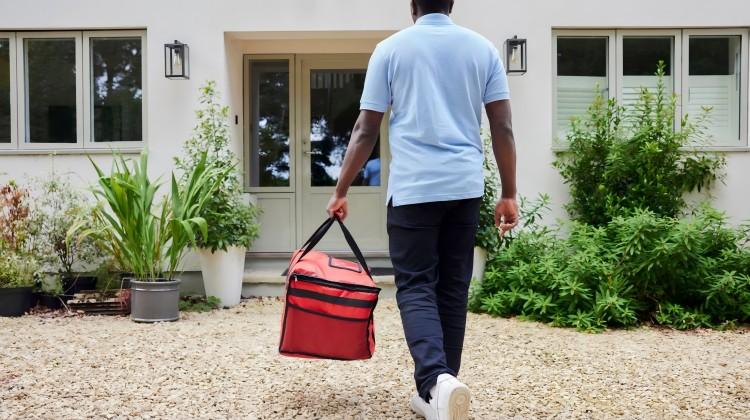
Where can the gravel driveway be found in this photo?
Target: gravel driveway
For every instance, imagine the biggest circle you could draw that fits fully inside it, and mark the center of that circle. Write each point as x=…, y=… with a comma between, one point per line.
x=224, y=365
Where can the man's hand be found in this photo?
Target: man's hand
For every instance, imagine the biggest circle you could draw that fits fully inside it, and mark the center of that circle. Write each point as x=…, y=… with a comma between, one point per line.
x=338, y=207
x=506, y=215
x=364, y=137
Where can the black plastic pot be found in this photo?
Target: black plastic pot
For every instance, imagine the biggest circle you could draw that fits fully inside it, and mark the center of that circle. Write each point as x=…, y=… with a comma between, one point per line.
x=15, y=301
x=50, y=301
x=125, y=280
x=74, y=284
x=154, y=301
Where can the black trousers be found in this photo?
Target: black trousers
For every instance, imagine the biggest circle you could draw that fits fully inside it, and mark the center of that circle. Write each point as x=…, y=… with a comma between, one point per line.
x=431, y=247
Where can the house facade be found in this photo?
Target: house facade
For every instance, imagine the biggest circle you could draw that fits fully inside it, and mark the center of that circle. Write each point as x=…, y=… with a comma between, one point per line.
x=81, y=78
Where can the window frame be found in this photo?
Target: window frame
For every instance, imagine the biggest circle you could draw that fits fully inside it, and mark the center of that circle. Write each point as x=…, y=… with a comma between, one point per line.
x=22, y=81
x=84, y=104
x=248, y=89
x=88, y=103
x=721, y=144
x=679, y=73
x=11, y=37
x=557, y=141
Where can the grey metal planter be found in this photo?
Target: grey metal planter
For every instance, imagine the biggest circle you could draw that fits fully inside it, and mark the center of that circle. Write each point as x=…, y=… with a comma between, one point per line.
x=154, y=301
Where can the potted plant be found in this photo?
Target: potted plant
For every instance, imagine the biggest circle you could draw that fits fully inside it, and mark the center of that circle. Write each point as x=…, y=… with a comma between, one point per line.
x=148, y=238
x=56, y=206
x=17, y=265
x=232, y=223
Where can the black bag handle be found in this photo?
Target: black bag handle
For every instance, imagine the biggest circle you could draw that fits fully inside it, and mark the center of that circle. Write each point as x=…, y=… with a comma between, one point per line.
x=320, y=233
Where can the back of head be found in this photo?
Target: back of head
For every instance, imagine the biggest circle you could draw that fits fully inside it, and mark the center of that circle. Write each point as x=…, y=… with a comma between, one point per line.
x=434, y=6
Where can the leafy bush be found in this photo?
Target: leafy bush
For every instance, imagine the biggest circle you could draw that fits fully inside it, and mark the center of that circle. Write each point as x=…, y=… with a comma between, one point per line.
x=18, y=267
x=620, y=160
x=683, y=273
x=230, y=221
x=56, y=207
x=199, y=303
x=487, y=236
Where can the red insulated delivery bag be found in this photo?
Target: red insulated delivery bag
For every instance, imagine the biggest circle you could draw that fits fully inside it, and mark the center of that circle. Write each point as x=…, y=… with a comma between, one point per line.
x=329, y=303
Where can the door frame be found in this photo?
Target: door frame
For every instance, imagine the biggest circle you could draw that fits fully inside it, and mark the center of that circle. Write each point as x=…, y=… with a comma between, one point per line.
x=299, y=107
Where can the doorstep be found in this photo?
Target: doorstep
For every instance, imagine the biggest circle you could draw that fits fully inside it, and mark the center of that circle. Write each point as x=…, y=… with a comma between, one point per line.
x=265, y=276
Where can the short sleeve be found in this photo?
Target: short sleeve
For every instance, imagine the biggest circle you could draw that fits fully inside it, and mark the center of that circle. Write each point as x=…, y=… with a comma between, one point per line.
x=376, y=95
x=497, y=82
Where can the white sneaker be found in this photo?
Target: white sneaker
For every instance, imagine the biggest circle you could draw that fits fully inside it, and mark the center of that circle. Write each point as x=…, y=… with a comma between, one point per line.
x=450, y=400
x=420, y=407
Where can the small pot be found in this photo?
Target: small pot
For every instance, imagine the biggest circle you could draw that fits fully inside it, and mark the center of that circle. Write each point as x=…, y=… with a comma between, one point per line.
x=15, y=301
x=125, y=280
x=154, y=301
x=74, y=284
x=50, y=301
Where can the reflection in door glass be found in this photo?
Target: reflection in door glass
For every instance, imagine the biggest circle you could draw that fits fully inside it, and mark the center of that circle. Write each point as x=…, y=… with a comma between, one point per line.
x=334, y=107
x=269, y=149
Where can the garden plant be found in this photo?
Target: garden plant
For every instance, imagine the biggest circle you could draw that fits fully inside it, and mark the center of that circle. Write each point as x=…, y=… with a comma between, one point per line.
x=634, y=250
x=231, y=222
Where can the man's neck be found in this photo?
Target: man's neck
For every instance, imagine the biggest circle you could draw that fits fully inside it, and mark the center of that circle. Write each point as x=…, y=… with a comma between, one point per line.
x=419, y=15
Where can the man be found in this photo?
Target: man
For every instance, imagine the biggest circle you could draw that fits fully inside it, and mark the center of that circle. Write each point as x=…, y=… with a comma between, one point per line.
x=435, y=76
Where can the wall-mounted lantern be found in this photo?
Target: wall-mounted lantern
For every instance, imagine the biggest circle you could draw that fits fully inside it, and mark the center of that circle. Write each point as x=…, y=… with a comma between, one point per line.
x=176, y=60
x=515, y=55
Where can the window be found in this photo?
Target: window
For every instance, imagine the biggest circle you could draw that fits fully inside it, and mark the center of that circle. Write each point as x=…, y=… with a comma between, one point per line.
x=582, y=71
x=714, y=79
x=704, y=67
x=76, y=90
x=50, y=90
x=270, y=114
x=116, y=89
x=7, y=91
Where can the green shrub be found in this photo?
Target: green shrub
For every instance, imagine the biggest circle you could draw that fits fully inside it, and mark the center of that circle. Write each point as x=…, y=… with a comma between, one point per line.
x=199, y=303
x=684, y=273
x=623, y=159
x=230, y=221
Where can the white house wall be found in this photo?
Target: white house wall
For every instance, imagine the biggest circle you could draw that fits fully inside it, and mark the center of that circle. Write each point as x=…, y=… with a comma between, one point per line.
x=219, y=31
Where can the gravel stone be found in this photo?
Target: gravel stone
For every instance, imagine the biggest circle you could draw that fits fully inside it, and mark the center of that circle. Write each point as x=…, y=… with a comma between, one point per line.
x=224, y=364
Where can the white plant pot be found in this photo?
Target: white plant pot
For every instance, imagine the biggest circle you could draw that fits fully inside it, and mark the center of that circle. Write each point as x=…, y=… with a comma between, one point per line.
x=480, y=261
x=222, y=274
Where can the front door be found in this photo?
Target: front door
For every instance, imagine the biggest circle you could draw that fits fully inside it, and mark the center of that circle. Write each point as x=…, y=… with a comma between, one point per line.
x=300, y=111
x=331, y=90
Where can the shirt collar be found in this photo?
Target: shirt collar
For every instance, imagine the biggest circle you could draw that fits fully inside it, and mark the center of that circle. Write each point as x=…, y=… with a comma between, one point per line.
x=435, y=19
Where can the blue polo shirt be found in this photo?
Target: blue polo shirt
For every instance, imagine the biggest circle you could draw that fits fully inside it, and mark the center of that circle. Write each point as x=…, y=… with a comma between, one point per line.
x=435, y=76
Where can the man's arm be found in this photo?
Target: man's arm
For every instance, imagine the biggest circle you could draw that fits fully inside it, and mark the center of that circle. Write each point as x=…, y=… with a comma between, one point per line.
x=364, y=137
x=504, y=147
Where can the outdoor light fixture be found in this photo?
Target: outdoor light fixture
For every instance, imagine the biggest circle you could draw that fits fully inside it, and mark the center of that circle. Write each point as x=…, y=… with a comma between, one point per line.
x=515, y=55
x=176, y=60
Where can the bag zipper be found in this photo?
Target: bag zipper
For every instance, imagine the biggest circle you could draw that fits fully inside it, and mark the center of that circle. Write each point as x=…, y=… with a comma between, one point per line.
x=336, y=285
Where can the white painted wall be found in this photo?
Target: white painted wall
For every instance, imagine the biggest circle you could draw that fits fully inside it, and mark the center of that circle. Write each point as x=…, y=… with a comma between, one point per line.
x=214, y=29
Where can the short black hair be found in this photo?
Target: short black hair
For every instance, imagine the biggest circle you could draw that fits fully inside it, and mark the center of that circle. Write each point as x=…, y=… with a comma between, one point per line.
x=433, y=6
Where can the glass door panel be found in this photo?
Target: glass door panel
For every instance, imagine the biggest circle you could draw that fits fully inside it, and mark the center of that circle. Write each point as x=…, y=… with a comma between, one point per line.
x=334, y=107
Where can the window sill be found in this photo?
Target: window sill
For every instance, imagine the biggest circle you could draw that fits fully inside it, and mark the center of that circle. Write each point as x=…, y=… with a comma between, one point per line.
x=79, y=152
x=707, y=149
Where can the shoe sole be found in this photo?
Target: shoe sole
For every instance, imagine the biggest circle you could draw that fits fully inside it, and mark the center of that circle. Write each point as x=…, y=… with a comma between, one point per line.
x=458, y=404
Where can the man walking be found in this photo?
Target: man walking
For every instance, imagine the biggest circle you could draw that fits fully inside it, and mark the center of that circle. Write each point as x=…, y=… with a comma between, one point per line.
x=435, y=76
